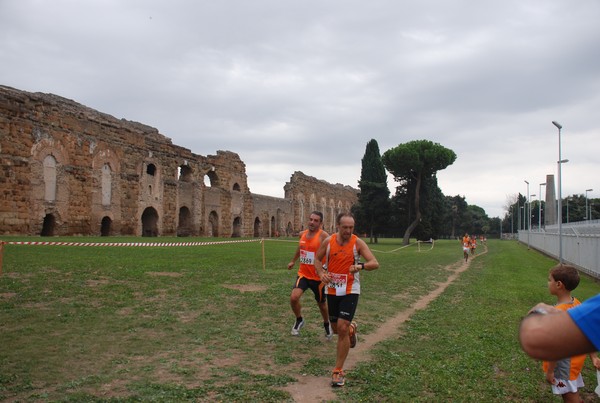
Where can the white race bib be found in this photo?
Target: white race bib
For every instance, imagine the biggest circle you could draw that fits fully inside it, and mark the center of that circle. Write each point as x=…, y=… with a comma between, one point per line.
x=307, y=257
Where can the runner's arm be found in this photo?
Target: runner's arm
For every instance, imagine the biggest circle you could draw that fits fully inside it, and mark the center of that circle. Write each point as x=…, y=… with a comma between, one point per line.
x=323, y=275
x=371, y=262
x=552, y=336
x=295, y=258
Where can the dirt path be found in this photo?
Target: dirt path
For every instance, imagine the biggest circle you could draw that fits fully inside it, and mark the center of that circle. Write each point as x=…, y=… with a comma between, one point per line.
x=318, y=389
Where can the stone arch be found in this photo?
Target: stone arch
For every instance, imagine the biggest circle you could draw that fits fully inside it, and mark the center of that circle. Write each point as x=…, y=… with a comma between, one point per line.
x=49, y=225
x=237, y=227
x=213, y=178
x=236, y=187
x=213, y=224
x=106, y=184
x=300, y=213
x=106, y=169
x=273, y=227
x=257, y=227
x=184, y=173
x=313, y=202
x=150, y=181
x=347, y=207
x=184, y=227
x=105, y=226
x=49, y=183
x=49, y=172
x=150, y=222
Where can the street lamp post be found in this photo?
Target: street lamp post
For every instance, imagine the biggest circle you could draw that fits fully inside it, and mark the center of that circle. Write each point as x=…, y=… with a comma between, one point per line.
x=540, y=208
x=527, y=212
x=530, y=214
x=587, y=212
x=560, y=259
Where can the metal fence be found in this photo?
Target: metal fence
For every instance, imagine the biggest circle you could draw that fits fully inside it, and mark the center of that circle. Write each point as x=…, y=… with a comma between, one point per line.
x=580, y=244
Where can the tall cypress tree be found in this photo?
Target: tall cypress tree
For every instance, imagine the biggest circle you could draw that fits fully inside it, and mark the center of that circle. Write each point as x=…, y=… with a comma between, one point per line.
x=372, y=210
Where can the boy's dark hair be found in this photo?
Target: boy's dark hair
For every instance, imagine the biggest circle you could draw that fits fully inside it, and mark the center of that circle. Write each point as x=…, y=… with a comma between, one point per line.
x=566, y=274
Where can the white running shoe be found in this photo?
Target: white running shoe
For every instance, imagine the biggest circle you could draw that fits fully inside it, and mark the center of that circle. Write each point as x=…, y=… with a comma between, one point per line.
x=297, y=326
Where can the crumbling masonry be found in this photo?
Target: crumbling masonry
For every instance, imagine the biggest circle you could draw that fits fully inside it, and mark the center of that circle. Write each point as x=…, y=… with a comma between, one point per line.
x=71, y=170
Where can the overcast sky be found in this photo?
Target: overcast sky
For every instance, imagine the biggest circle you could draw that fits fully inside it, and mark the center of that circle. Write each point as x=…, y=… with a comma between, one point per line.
x=304, y=85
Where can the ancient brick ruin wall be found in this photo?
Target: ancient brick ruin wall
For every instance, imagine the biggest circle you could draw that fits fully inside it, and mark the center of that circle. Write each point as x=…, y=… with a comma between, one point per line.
x=68, y=169
x=309, y=194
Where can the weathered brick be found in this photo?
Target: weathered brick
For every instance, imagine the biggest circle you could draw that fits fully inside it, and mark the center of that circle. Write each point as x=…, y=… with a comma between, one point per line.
x=143, y=192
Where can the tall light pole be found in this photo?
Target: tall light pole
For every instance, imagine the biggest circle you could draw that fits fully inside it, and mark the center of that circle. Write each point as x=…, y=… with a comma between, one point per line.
x=560, y=259
x=587, y=213
x=530, y=215
x=527, y=211
x=540, y=208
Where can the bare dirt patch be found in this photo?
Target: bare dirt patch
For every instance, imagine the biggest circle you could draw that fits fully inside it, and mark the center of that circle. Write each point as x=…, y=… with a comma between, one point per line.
x=246, y=287
x=163, y=274
x=318, y=389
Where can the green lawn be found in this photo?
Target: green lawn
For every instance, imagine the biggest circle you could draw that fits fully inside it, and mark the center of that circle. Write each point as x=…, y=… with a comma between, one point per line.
x=209, y=323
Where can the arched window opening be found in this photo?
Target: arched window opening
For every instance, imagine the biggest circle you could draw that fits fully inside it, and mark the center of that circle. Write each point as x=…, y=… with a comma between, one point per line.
x=151, y=169
x=236, y=187
x=211, y=179
x=185, y=173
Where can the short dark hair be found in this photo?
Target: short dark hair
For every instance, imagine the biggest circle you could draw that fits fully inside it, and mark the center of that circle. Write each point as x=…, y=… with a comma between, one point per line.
x=566, y=274
x=341, y=215
x=318, y=213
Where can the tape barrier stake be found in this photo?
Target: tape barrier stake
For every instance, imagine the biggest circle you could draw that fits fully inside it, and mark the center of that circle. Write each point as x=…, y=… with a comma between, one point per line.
x=1, y=254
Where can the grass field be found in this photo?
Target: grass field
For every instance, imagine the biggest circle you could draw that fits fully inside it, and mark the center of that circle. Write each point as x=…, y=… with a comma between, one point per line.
x=209, y=323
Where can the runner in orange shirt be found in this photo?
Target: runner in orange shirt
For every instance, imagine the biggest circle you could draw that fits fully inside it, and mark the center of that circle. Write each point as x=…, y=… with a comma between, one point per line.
x=310, y=240
x=466, y=246
x=341, y=273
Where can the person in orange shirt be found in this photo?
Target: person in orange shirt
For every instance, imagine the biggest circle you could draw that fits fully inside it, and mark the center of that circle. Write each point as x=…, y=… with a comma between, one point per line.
x=466, y=246
x=565, y=375
x=473, y=244
x=341, y=274
x=310, y=240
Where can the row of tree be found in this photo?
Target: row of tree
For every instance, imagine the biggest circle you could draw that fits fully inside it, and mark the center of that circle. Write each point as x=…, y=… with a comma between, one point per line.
x=574, y=208
x=420, y=210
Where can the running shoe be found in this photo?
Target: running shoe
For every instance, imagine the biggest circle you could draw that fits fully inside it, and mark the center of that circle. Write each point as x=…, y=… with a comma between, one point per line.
x=353, y=334
x=297, y=326
x=328, y=331
x=338, y=378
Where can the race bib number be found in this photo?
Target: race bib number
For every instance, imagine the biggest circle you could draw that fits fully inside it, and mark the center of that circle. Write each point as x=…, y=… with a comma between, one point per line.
x=338, y=281
x=307, y=257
